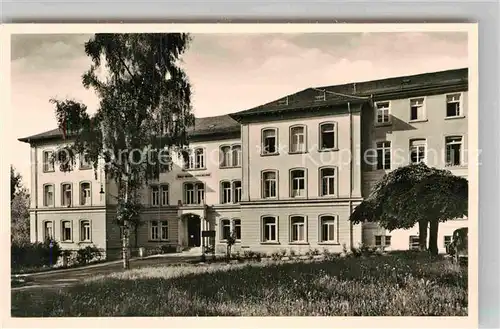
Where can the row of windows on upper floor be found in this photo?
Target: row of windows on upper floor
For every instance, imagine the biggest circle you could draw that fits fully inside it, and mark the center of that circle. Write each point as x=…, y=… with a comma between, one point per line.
x=48, y=161
x=417, y=109
x=230, y=157
x=453, y=152
x=66, y=232
x=230, y=192
x=194, y=193
x=85, y=194
x=298, y=137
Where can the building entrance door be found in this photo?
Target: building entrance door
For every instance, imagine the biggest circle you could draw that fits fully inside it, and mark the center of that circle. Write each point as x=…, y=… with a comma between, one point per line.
x=194, y=231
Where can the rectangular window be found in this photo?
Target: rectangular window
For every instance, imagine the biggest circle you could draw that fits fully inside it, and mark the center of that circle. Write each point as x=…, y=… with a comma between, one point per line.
x=48, y=197
x=85, y=162
x=297, y=139
x=154, y=234
x=225, y=225
x=417, y=110
x=164, y=195
x=327, y=229
x=269, y=228
x=414, y=242
x=200, y=158
x=327, y=137
x=66, y=195
x=269, y=181
x=189, y=193
x=327, y=181
x=237, y=228
x=453, y=151
x=237, y=191
x=384, y=155
x=164, y=230
x=85, y=230
x=298, y=229
x=236, y=155
x=155, y=196
x=269, y=141
x=298, y=182
x=48, y=231
x=48, y=161
x=66, y=231
x=417, y=151
x=85, y=196
x=225, y=156
x=164, y=161
x=226, y=192
x=382, y=110
x=195, y=159
x=200, y=193
x=382, y=240
x=447, y=240
x=453, y=105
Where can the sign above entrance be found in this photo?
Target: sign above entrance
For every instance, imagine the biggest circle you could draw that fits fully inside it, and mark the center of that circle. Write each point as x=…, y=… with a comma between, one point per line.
x=208, y=234
x=179, y=176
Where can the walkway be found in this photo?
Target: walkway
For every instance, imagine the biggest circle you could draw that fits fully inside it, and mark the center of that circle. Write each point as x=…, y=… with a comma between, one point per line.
x=67, y=277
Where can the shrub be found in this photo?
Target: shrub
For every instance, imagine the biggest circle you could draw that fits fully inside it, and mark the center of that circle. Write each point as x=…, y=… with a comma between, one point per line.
x=292, y=253
x=34, y=255
x=328, y=254
x=167, y=249
x=276, y=255
x=282, y=252
x=249, y=254
x=258, y=256
x=87, y=254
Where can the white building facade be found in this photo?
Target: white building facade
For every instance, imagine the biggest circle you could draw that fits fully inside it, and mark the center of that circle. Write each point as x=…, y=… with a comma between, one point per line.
x=284, y=175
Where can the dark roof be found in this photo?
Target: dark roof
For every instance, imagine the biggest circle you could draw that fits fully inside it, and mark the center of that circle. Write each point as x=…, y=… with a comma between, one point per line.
x=354, y=92
x=357, y=91
x=202, y=126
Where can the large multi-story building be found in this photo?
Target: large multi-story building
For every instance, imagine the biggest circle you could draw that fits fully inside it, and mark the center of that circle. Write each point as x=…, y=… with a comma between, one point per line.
x=283, y=175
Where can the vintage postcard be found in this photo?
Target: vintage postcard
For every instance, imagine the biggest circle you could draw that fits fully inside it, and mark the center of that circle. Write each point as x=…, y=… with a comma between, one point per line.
x=269, y=171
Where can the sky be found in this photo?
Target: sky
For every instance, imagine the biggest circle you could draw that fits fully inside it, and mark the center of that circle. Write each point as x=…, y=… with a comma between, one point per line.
x=228, y=72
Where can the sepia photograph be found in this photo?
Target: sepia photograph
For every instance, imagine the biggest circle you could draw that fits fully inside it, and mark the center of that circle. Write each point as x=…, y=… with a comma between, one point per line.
x=197, y=173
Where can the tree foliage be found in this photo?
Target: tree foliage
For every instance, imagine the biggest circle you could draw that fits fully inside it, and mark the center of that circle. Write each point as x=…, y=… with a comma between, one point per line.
x=15, y=182
x=19, y=209
x=144, y=111
x=415, y=194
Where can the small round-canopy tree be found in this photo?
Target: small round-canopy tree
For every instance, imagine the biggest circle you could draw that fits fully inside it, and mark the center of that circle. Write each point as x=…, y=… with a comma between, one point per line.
x=415, y=194
x=143, y=114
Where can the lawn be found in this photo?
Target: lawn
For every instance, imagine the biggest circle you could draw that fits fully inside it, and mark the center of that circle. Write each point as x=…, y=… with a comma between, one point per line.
x=408, y=284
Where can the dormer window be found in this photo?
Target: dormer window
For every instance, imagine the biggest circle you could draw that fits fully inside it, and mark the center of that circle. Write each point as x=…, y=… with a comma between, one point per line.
x=283, y=101
x=321, y=97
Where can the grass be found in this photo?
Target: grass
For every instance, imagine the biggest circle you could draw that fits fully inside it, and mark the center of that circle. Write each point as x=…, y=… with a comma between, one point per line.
x=407, y=284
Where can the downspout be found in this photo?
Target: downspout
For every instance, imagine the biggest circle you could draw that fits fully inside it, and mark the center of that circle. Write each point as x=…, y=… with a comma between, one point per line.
x=35, y=192
x=350, y=174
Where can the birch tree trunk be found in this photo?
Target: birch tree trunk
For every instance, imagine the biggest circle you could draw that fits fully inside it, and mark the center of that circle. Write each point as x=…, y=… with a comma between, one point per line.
x=125, y=238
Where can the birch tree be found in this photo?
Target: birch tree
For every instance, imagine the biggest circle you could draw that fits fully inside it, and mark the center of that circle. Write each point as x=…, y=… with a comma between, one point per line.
x=143, y=114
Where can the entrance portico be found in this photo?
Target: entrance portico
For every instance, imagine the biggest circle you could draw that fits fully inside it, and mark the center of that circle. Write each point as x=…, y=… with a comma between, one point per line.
x=192, y=221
